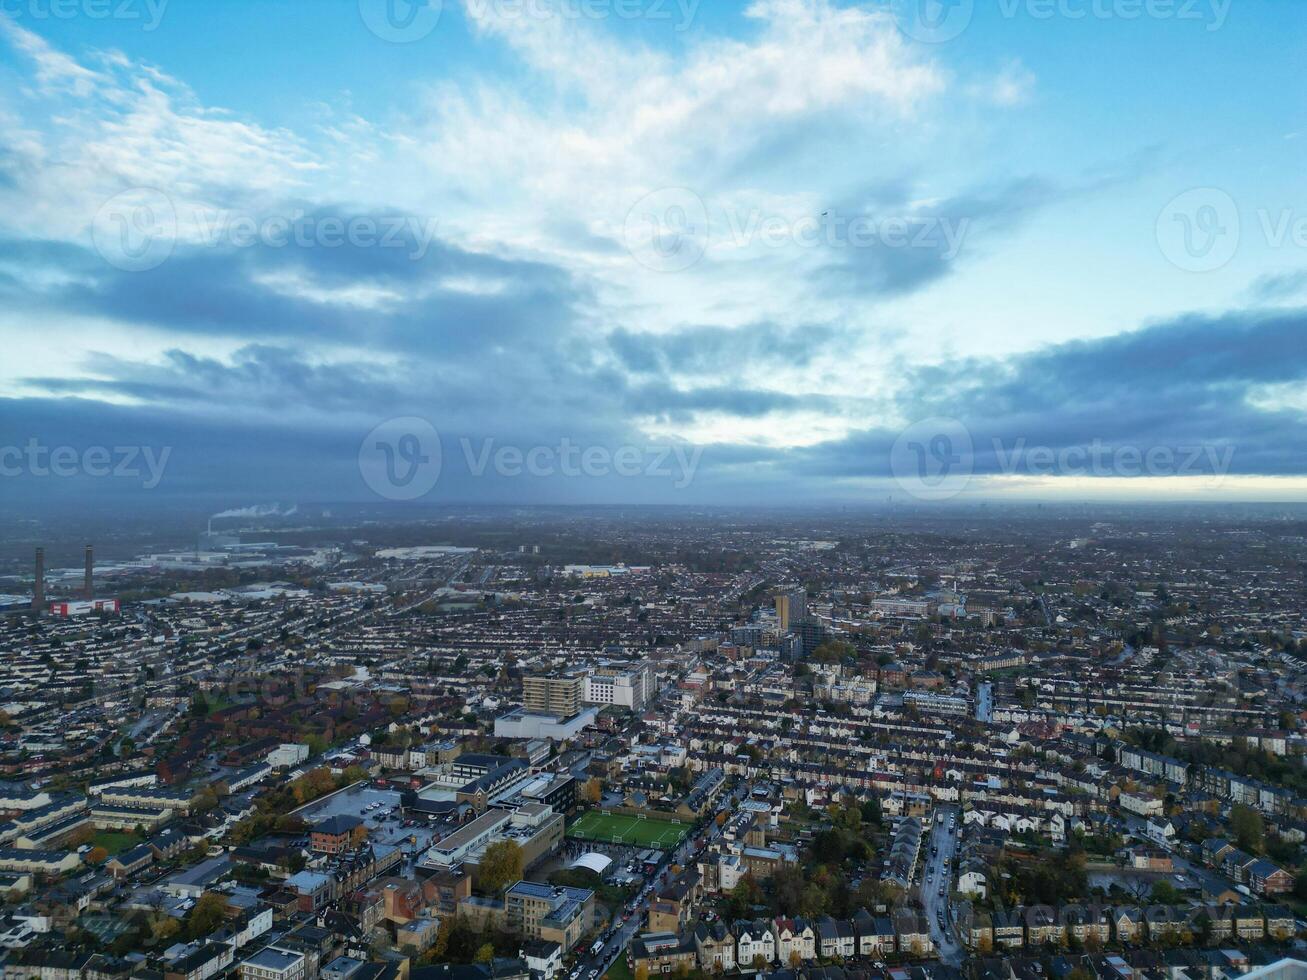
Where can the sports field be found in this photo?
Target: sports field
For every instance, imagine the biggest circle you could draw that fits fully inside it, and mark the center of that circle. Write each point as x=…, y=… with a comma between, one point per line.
x=611, y=828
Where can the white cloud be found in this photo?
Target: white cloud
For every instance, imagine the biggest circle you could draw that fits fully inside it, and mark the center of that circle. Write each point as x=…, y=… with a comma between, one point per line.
x=1012, y=86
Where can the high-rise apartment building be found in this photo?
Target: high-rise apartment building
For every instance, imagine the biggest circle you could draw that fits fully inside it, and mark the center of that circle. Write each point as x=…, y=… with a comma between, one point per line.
x=791, y=608
x=553, y=694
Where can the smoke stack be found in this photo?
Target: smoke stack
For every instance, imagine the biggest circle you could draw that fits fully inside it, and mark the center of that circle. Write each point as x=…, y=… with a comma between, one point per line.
x=38, y=589
x=90, y=573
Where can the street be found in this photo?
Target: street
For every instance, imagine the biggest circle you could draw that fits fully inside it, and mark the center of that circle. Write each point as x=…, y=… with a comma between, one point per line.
x=937, y=883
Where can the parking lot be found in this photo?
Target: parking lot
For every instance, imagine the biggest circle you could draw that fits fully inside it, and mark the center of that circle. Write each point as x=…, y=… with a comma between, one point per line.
x=379, y=809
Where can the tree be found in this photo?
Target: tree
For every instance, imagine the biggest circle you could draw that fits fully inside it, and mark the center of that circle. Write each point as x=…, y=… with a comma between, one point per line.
x=642, y=971
x=205, y=800
x=833, y=652
x=871, y=812
x=593, y=790
x=486, y=953
x=1249, y=829
x=207, y=915
x=353, y=774
x=501, y=865
x=97, y=855
x=125, y=943
x=441, y=946
x=1165, y=893
x=786, y=890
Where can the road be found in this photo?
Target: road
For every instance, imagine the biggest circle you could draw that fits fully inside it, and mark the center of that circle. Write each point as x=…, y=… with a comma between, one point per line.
x=936, y=879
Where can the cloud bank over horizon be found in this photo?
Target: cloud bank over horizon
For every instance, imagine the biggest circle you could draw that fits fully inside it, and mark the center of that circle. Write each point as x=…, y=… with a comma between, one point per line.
x=770, y=252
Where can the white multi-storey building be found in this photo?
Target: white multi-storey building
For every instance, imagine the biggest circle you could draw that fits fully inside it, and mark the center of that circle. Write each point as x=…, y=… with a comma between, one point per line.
x=630, y=687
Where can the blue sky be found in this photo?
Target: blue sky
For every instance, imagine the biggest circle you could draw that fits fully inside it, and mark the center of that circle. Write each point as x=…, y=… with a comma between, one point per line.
x=810, y=249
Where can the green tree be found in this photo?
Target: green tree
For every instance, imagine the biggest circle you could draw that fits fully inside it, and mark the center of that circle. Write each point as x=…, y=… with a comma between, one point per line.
x=1249, y=829
x=1165, y=893
x=501, y=865
x=163, y=927
x=207, y=915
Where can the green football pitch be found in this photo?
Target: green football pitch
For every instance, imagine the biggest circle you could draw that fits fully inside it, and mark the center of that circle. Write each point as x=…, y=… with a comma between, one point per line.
x=612, y=828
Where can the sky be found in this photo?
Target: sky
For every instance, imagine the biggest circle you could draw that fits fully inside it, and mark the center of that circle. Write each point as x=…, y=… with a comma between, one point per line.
x=652, y=251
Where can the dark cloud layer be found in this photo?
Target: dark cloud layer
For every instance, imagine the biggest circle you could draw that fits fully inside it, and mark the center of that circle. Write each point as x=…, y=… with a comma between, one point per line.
x=1184, y=384
x=1180, y=384
x=494, y=347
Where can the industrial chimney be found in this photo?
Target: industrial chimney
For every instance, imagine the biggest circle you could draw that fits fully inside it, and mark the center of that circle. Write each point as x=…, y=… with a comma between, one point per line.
x=38, y=589
x=89, y=587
